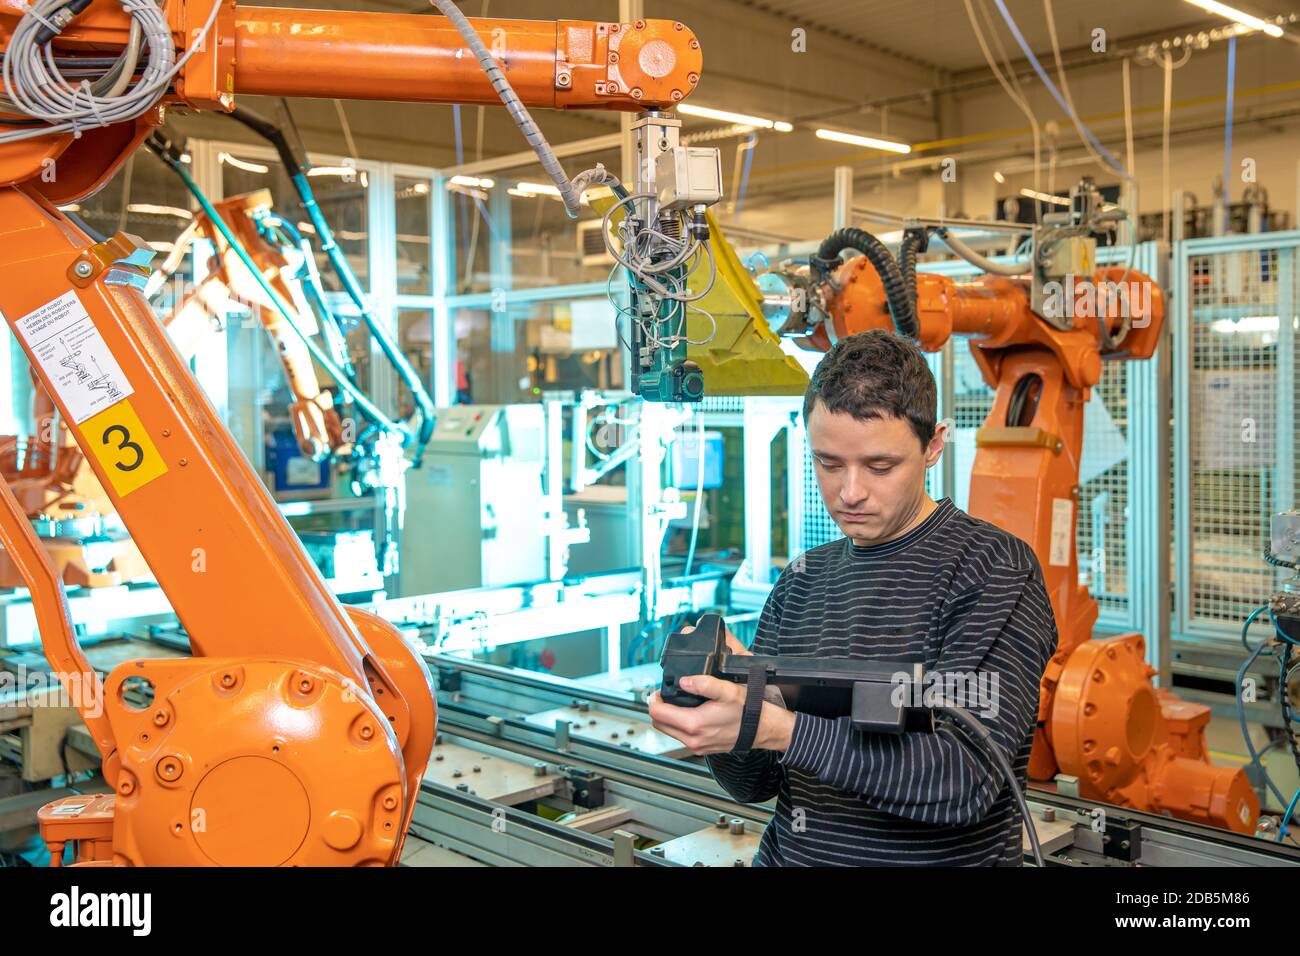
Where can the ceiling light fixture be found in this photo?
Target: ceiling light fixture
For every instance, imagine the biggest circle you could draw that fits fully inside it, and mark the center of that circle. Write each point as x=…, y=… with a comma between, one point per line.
x=870, y=142
x=242, y=164
x=1045, y=197
x=1239, y=16
x=150, y=209
x=741, y=119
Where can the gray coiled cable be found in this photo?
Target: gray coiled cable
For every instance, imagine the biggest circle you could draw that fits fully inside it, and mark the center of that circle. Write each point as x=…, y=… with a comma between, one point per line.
x=35, y=87
x=514, y=106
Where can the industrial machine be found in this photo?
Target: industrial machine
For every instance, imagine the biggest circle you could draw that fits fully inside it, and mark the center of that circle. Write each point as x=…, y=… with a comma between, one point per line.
x=69, y=510
x=283, y=683
x=1219, y=217
x=1039, y=330
x=316, y=424
x=476, y=508
x=280, y=684
x=1282, y=613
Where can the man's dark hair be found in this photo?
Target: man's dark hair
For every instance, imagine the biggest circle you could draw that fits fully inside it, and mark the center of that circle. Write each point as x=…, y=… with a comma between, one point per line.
x=876, y=374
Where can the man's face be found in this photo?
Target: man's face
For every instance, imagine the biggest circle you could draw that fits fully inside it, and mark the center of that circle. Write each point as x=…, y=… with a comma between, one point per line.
x=871, y=473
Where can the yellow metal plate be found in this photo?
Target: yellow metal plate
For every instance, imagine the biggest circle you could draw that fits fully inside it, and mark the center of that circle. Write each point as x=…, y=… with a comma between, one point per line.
x=123, y=448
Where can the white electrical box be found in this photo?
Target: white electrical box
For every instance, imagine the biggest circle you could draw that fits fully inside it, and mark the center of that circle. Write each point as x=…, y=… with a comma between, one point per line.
x=688, y=176
x=473, y=508
x=1075, y=256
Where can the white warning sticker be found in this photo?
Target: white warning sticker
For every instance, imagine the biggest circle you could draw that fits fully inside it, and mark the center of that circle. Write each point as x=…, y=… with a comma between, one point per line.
x=1062, y=525
x=69, y=809
x=74, y=357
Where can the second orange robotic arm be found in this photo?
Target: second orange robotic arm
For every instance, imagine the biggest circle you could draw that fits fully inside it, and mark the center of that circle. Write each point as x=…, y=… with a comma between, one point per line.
x=1100, y=719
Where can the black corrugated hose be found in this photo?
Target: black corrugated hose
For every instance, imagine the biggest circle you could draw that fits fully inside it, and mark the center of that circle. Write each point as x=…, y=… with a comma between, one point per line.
x=901, y=296
x=915, y=241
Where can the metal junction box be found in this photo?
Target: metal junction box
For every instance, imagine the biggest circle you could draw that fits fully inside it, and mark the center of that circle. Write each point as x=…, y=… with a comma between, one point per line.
x=475, y=507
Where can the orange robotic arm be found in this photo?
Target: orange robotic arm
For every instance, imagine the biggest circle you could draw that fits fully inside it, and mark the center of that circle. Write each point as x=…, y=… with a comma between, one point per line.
x=555, y=64
x=1099, y=719
x=315, y=421
x=299, y=731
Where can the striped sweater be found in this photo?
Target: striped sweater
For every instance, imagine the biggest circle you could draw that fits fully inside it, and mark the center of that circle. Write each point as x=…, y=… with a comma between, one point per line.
x=957, y=594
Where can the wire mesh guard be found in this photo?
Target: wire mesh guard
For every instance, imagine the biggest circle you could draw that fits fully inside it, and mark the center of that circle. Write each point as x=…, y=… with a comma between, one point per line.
x=1243, y=316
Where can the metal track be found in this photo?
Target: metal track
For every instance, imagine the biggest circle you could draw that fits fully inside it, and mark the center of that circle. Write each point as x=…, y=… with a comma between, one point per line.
x=1082, y=833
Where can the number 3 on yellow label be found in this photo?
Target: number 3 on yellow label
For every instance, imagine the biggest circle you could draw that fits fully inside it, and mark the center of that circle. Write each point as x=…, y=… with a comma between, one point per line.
x=123, y=448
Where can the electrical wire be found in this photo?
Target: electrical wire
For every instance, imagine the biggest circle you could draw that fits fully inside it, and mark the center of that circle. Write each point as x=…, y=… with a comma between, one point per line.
x=980, y=261
x=1286, y=817
x=1245, y=731
x=514, y=106
x=1061, y=100
x=1090, y=142
x=1016, y=95
x=744, y=158
x=571, y=190
x=644, y=267
x=382, y=336
x=898, y=296
x=1277, y=562
x=981, y=736
x=653, y=258
x=1245, y=628
x=1133, y=219
x=361, y=400
x=1094, y=146
x=1284, y=692
x=1166, y=199
x=1129, y=159
x=346, y=128
x=130, y=57
x=128, y=174
x=1227, y=132
x=1095, y=149
x=85, y=227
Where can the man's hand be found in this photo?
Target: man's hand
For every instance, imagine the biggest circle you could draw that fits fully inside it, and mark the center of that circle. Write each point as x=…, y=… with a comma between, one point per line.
x=710, y=728
x=714, y=725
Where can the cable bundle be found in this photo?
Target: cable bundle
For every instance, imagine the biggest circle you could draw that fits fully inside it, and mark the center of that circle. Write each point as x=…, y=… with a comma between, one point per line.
x=652, y=253
x=35, y=86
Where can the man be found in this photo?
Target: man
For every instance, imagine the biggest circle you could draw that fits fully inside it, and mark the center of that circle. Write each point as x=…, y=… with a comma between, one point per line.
x=912, y=579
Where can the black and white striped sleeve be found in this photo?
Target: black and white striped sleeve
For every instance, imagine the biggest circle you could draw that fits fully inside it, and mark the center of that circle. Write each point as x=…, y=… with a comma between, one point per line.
x=1002, y=629
x=754, y=776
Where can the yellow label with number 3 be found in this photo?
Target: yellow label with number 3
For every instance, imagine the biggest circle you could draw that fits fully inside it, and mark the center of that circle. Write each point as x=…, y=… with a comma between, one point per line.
x=123, y=448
